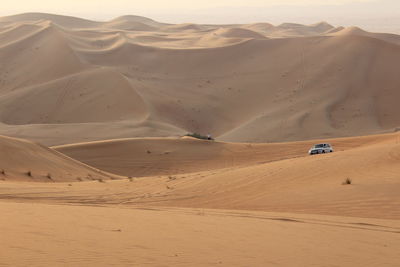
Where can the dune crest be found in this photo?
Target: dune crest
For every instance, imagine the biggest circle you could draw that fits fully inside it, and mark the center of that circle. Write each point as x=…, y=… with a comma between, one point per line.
x=195, y=78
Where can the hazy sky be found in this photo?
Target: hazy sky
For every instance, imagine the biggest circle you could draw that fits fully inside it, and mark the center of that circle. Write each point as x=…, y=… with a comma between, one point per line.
x=380, y=15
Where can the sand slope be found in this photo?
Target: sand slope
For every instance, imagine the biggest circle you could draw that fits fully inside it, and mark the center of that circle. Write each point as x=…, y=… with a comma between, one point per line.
x=240, y=177
x=274, y=207
x=193, y=78
x=138, y=157
x=21, y=160
x=267, y=177
x=92, y=96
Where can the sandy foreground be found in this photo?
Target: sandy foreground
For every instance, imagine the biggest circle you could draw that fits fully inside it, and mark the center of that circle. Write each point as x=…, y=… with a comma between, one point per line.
x=282, y=211
x=59, y=235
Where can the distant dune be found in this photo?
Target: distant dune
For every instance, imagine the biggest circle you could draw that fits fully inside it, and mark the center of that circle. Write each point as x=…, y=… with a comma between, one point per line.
x=246, y=83
x=387, y=37
x=239, y=33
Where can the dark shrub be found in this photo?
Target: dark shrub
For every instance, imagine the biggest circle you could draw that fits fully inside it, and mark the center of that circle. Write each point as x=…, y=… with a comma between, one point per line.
x=199, y=136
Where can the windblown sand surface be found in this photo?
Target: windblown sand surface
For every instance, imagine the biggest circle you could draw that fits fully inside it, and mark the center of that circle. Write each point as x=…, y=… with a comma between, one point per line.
x=104, y=236
x=140, y=157
x=67, y=80
x=248, y=205
x=112, y=182
x=22, y=160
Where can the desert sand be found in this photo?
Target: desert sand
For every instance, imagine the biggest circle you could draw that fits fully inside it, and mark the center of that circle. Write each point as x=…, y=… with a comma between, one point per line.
x=95, y=169
x=175, y=237
x=27, y=161
x=248, y=205
x=68, y=80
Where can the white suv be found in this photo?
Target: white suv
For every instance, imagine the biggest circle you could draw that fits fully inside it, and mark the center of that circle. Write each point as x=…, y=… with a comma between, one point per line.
x=320, y=149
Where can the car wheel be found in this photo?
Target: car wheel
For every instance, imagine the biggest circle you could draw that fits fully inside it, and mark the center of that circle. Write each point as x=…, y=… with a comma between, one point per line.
x=323, y=151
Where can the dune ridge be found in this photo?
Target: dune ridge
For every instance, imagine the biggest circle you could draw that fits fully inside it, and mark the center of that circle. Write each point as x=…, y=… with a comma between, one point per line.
x=202, y=73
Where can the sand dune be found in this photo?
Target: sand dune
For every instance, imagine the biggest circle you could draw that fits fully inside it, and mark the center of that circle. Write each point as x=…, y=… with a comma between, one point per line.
x=26, y=161
x=290, y=30
x=26, y=61
x=60, y=134
x=195, y=78
x=183, y=27
x=92, y=96
x=310, y=185
x=202, y=73
x=279, y=177
x=297, y=30
x=168, y=156
x=203, y=174
x=259, y=27
x=387, y=37
x=133, y=23
x=239, y=33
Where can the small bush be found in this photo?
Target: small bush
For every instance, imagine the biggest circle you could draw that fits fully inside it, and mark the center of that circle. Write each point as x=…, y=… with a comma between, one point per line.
x=130, y=179
x=199, y=136
x=348, y=181
x=29, y=173
x=3, y=172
